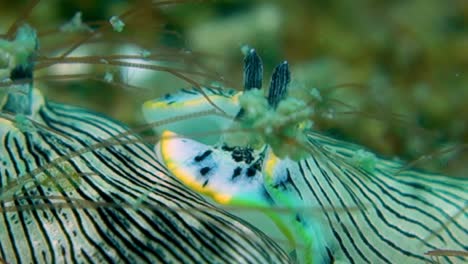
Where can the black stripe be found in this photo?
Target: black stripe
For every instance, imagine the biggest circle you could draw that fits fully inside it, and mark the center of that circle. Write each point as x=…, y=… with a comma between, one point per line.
x=330, y=222
x=174, y=192
x=35, y=213
x=415, y=197
x=20, y=215
x=342, y=205
x=100, y=212
x=383, y=219
x=90, y=219
x=70, y=135
x=129, y=172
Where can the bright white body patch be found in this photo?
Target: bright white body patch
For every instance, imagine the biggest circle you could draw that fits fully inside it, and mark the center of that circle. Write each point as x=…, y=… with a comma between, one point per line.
x=227, y=175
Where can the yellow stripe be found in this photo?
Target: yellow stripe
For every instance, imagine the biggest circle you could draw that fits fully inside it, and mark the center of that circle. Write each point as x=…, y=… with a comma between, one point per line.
x=186, y=177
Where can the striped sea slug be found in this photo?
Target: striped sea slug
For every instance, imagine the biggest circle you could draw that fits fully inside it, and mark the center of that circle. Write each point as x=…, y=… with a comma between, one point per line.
x=334, y=202
x=80, y=187
x=91, y=190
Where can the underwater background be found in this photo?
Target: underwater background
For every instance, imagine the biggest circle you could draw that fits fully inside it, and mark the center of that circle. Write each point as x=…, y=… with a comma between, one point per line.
x=398, y=69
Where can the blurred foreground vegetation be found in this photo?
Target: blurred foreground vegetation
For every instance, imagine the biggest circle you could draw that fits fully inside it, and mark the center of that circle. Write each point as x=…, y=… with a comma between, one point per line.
x=405, y=63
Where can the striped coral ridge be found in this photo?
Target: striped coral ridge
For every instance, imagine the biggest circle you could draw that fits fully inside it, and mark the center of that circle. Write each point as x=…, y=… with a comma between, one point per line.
x=384, y=216
x=111, y=204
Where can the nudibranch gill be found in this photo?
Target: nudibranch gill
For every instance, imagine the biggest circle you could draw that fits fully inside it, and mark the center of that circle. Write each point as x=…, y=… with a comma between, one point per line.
x=343, y=203
x=79, y=187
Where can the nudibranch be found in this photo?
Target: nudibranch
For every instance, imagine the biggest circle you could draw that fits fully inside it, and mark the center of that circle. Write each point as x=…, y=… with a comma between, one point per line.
x=79, y=187
x=333, y=201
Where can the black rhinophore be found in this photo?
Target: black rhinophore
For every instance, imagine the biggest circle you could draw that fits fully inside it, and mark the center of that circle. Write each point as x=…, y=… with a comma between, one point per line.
x=253, y=71
x=279, y=83
x=253, y=75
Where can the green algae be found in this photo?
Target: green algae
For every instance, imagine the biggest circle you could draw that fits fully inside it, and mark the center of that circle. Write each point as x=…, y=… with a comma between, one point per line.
x=282, y=128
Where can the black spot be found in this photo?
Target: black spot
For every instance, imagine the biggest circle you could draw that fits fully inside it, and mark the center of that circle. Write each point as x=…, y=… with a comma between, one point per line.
x=204, y=170
x=227, y=148
x=205, y=183
x=203, y=156
x=242, y=154
x=237, y=172
x=237, y=155
x=248, y=157
x=251, y=171
x=171, y=102
x=299, y=218
x=21, y=72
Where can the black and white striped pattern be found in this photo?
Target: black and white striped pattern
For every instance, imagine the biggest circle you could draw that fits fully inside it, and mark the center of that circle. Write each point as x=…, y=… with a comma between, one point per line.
x=111, y=204
x=383, y=216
